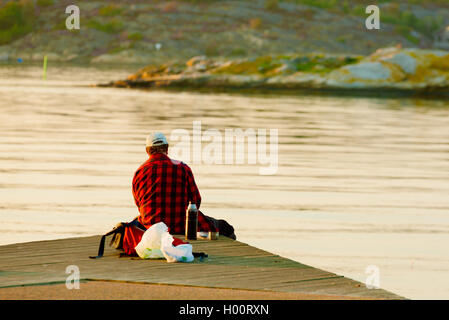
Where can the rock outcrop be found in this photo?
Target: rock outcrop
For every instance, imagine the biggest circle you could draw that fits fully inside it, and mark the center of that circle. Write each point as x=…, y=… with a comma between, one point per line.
x=395, y=68
x=390, y=68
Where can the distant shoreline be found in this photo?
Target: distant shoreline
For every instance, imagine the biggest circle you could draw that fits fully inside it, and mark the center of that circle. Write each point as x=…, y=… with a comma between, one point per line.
x=349, y=92
x=392, y=71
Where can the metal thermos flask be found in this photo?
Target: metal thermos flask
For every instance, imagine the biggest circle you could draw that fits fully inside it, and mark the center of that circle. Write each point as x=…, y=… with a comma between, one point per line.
x=191, y=222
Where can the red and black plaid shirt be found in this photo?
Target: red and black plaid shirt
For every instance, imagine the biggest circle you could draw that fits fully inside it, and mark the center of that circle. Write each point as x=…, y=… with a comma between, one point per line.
x=162, y=189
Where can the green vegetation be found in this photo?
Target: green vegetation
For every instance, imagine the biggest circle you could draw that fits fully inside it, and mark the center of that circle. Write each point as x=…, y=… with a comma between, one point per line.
x=405, y=32
x=16, y=20
x=238, y=52
x=337, y=4
x=115, y=50
x=412, y=39
x=341, y=39
x=321, y=64
x=60, y=25
x=407, y=19
x=194, y=1
x=322, y=4
x=272, y=4
x=390, y=13
x=214, y=28
x=45, y=3
x=113, y=26
x=136, y=36
x=110, y=10
x=268, y=65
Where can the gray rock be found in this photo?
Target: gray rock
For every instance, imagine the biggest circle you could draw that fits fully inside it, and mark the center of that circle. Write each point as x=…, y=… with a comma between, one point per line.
x=405, y=61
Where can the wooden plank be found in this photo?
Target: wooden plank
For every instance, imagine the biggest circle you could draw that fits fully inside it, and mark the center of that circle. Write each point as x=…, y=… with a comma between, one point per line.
x=231, y=264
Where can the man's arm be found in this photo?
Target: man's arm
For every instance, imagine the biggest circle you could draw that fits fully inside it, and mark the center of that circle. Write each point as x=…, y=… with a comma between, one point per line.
x=134, y=189
x=204, y=224
x=192, y=189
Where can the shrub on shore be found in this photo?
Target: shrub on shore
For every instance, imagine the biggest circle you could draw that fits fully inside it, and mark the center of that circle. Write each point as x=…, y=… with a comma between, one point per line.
x=16, y=20
x=110, y=10
x=113, y=26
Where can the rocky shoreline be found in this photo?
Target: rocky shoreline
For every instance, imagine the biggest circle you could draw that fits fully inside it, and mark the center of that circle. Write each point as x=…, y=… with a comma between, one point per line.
x=388, y=69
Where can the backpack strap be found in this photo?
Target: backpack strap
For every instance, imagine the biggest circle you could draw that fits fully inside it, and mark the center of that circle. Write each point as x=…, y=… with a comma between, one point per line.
x=101, y=247
x=137, y=224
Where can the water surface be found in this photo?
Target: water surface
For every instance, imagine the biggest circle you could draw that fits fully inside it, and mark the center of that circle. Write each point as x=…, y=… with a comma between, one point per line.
x=361, y=181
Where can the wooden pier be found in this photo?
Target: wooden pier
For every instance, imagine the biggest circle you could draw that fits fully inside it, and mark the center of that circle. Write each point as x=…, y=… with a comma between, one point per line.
x=230, y=265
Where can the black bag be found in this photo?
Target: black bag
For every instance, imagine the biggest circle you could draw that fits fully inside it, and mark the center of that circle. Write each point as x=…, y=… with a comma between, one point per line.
x=223, y=227
x=118, y=233
x=117, y=236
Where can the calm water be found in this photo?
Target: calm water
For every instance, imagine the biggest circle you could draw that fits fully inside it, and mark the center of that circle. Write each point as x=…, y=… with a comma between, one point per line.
x=360, y=182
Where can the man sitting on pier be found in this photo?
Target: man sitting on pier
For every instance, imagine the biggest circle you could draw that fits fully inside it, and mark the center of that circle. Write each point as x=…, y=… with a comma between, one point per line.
x=162, y=189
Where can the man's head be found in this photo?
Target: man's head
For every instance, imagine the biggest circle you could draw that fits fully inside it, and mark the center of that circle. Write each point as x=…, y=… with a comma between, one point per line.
x=156, y=143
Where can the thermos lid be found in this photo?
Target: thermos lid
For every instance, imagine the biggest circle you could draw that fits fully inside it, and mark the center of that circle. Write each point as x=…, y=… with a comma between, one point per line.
x=192, y=206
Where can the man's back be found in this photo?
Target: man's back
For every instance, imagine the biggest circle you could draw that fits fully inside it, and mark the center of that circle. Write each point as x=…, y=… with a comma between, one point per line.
x=162, y=190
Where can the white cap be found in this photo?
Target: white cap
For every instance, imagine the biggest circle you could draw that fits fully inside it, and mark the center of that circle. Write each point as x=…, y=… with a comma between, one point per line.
x=156, y=139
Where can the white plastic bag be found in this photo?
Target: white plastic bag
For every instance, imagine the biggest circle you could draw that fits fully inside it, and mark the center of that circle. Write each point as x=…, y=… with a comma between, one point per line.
x=157, y=243
x=149, y=246
x=180, y=253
